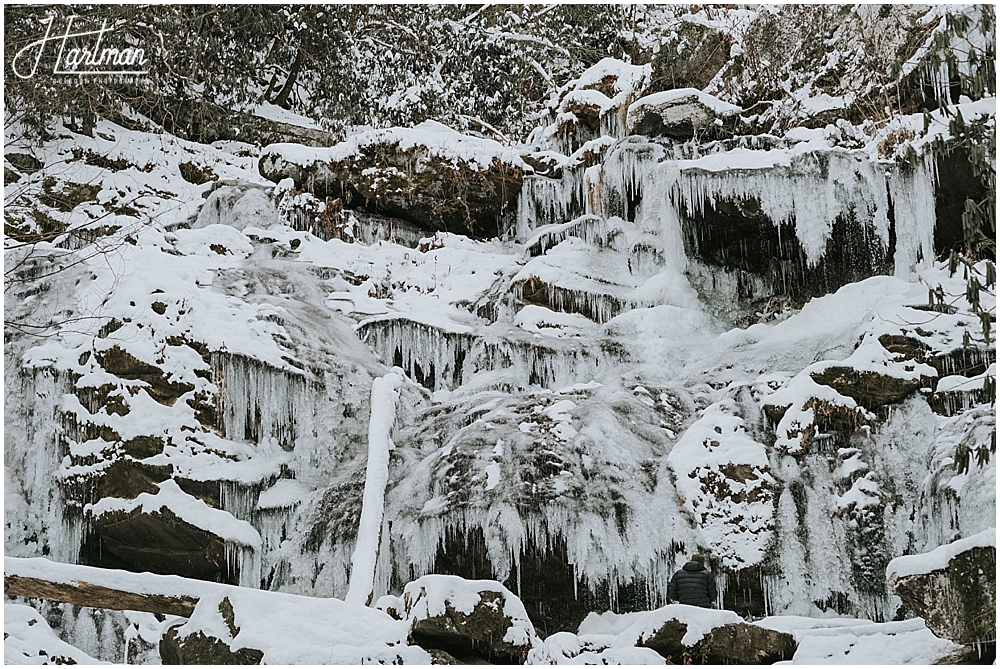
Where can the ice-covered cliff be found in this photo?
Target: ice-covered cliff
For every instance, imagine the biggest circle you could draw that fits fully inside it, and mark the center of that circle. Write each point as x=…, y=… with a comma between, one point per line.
x=653, y=336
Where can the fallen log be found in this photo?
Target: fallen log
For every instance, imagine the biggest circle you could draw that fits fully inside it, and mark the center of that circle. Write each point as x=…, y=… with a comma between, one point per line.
x=95, y=596
x=39, y=578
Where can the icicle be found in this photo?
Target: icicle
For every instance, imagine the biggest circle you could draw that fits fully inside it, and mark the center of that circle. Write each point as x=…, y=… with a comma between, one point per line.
x=811, y=192
x=913, y=202
x=593, y=180
x=545, y=201
x=385, y=394
x=258, y=401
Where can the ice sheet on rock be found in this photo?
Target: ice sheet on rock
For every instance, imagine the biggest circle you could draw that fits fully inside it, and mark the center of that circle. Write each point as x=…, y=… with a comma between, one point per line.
x=913, y=199
x=631, y=546
x=238, y=207
x=939, y=558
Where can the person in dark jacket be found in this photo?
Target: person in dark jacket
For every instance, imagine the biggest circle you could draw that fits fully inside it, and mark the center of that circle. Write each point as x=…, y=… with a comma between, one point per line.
x=693, y=584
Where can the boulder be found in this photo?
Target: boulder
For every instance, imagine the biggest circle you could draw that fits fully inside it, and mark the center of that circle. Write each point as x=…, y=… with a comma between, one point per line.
x=429, y=175
x=869, y=389
x=200, y=648
x=953, y=588
x=170, y=532
x=691, y=635
x=469, y=620
x=680, y=113
x=232, y=625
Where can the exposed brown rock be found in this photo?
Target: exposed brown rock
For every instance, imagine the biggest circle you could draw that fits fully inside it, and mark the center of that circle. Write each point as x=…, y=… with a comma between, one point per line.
x=198, y=648
x=735, y=643
x=869, y=389
x=161, y=543
x=124, y=365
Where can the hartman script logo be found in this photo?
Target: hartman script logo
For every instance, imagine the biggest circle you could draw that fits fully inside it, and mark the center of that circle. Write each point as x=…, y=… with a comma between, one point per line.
x=89, y=52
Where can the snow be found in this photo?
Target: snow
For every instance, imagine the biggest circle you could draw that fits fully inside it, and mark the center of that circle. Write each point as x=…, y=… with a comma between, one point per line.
x=290, y=629
x=282, y=115
x=628, y=80
x=540, y=320
x=284, y=493
x=607, y=623
x=385, y=394
x=850, y=641
x=439, y=140
x=664, y=98
x=937, y=559
x=28, y=639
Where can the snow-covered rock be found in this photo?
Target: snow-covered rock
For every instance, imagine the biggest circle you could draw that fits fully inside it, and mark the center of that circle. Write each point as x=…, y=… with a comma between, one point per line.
x=243, y=626
x=468, y=618
x=680, y=113
x=28, y=639
x=430, y=175
x=953, y=588
x=706, y=636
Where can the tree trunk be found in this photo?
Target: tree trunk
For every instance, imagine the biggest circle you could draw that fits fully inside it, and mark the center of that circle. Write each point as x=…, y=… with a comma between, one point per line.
x=293, y=74
x=96, y=596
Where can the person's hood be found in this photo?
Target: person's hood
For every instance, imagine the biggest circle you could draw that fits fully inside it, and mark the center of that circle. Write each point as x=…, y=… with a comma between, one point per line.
x=694, y=566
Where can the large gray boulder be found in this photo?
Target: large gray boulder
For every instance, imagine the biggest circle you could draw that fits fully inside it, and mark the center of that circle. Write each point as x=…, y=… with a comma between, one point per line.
x=953, y=588
x=680, y=113
x=692, y=635
x=469, y=620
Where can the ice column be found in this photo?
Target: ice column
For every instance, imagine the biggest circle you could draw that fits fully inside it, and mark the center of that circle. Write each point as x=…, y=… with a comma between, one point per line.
x=385, y=393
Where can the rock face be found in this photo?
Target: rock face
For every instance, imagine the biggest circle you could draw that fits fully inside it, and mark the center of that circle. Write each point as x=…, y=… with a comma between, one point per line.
x=689, y=635
x=429, y=175
x=468, y=620
x=159, y=542
x=953, y=588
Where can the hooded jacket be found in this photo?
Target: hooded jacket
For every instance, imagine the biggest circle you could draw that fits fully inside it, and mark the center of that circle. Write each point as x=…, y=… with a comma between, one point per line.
x=693, y=585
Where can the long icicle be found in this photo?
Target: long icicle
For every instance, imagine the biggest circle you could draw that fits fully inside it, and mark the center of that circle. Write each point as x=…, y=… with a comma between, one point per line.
x=385, y=393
